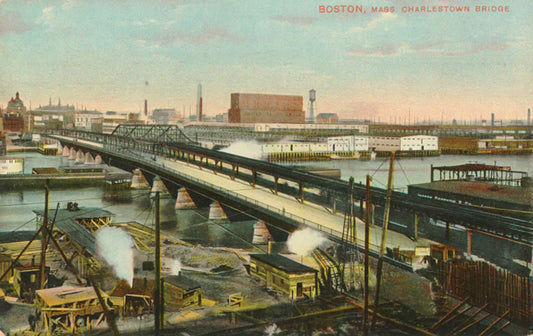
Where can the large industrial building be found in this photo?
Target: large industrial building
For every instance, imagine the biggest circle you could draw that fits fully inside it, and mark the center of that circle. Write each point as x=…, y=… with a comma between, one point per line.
x=266, y=108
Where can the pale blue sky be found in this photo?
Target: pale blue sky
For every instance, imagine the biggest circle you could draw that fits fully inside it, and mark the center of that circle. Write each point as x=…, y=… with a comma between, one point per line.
x=111, y=55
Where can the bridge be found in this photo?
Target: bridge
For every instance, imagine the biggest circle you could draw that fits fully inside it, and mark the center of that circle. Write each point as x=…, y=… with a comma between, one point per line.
x=166, y=152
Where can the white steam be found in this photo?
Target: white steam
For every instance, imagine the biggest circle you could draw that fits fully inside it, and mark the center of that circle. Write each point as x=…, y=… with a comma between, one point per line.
x=303, y=242
x=247, y=148
x=175, y=267
x=116, y=247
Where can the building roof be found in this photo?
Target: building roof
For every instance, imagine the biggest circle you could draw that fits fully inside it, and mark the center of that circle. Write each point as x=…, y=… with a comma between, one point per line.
x=66, y=294
x=502, y=195
x=283, y=263
x=66, y=222
x=182, y=282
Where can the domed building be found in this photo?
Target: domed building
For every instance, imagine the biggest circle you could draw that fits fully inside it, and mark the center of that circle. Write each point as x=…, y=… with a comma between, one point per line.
x=14, y=115
x=15, y=105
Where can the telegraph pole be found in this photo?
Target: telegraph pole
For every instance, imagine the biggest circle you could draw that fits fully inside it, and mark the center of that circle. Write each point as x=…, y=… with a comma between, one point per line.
x=157, y=294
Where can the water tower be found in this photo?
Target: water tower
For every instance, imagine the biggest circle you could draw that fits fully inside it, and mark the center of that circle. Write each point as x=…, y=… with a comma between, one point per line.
x=312, y=99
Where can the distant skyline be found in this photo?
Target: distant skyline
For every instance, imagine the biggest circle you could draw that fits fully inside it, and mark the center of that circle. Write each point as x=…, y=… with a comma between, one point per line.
x=112, y=55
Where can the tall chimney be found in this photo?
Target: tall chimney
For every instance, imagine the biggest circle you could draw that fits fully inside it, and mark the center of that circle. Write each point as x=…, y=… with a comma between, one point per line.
x=529, y=117
x=146, y=108
x=199, y=103
x=492, y=119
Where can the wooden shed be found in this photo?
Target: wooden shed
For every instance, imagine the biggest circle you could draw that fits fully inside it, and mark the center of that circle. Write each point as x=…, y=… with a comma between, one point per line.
x=180, y=292
x=294, y=279
x=67, y=308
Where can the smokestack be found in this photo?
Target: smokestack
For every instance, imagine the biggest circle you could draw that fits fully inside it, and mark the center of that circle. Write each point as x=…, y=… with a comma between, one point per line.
x=492, y=119
x=529, y=117
x=146, y=108
x=199, y=103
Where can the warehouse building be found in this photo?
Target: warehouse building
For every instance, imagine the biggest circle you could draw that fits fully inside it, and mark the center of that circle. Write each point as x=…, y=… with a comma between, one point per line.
x=265, y=108
x=285, y=275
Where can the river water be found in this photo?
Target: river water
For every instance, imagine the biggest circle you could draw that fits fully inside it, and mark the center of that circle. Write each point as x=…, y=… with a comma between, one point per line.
x=16, y=205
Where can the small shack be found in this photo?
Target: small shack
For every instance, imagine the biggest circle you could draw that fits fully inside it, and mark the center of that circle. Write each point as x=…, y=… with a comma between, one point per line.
x=180, y=292
x=134, y=301
x=292, y=278
x=25, y=280
x=68, y=308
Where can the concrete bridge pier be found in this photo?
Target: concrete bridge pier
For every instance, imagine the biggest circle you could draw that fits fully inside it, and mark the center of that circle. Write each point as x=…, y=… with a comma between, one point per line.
x=98, y=159
x=216, y=213
x=261, y=234
x=158, y=186
x=80, y=157
x=184, y=200
x=88, y=158
x=65, y=152
x=72, y=154
x=138, y=181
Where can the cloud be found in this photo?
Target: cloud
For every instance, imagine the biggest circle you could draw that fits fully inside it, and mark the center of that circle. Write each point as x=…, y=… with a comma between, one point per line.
x=295, y=20
x=385, y=50
x=47, y=16
x=205, y=36
x=12, y=23
x=153, y=22
x=374, y=22
x=436, y=48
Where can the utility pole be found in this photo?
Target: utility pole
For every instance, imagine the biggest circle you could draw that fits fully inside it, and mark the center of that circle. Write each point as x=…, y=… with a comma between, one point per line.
x=157, y=294
x=384, y=228
x=367, y=259
x=44, y=242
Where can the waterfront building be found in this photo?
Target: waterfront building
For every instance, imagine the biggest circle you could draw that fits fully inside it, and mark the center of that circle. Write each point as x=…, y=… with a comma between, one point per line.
x=14, y=118
x=88, y=120
x=419, y=143
x=164, y=116
x=53, y=117
x=292, y=278
x=384, y=143
x=347, y=144
x=327, y=118
x=265, y=108
x=11, y=165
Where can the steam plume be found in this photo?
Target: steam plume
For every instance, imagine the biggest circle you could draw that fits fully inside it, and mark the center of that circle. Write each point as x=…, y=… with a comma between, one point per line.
x=303, y=242
x=116, y=247
x=175, y=267
x=247, y=148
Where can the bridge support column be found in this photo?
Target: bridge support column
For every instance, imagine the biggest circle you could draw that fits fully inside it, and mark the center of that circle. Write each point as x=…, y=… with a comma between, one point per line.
x=88, y=158
x=301, y=190
x=216, y=213
x=261, y=234
x=199, y=164
x=138, y=181
x=276, y=184
x=216, y=167
x=469, y=241
x=184, y=200
x=98, y=159
x=233, y=172
x=65, y=152
x=72, y=153
x=334, y=204
x=158, y=186
x=80, y=157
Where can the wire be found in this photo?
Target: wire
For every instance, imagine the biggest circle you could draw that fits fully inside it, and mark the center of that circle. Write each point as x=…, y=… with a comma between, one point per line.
x=403, y=171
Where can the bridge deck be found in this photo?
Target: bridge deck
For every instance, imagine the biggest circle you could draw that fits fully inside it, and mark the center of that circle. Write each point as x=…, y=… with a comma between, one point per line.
x=308, y=214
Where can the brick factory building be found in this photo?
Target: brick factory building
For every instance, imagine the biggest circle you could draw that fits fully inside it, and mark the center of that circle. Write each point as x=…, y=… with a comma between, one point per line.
x=266, y=108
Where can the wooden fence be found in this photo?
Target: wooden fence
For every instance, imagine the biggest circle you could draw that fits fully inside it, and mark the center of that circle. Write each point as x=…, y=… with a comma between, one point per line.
x=484, y=284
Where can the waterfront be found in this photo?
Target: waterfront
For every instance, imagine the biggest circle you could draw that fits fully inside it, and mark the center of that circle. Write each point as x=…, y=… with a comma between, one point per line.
x=16, y=205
